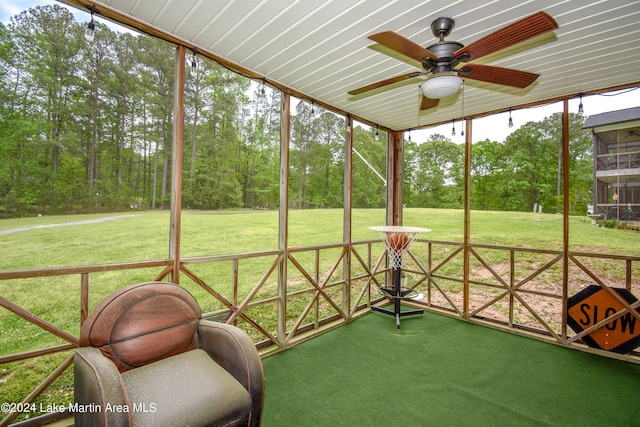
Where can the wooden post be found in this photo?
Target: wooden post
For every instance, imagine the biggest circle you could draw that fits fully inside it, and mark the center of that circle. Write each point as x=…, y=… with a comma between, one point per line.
x=395, y=156
x=177, y=156
x=596, y=189
x=467, y=216
x=395, y=175
x=283, y=234
x=565, y=213
x=347, y=213
x=84, y=297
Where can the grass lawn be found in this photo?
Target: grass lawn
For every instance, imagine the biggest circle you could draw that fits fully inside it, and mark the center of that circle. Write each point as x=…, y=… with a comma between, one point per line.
x=145, y=235
x=118, y=237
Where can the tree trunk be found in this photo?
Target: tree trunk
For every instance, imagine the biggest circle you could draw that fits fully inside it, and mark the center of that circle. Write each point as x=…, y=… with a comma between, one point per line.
x=155, y=178
x=559, y=179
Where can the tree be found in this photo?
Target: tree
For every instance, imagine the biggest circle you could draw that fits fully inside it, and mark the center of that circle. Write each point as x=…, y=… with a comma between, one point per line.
x=219, y=147
x=580, y=158
x=89, y=126
x=326, y=169
x=45, y=80
x=262, y=129
x=368, y=189
x=530, y=169
x=157, y=74
x=437, y=174
x=487, y=167
x=94, y=109
x=123, y=89
x=533, y=164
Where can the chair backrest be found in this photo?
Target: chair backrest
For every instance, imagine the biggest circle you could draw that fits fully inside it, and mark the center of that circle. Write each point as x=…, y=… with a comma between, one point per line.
x=143, y=323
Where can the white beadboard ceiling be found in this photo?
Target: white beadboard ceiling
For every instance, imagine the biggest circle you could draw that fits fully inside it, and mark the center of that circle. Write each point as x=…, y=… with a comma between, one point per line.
x=319, y=48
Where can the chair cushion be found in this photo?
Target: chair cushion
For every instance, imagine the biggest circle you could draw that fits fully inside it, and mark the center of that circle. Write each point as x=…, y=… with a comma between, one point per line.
x=189, y=389
x=143, y=323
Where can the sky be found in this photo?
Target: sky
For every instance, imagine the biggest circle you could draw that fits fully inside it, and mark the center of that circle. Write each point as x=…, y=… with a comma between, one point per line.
x=494, y=127
x=9, y=8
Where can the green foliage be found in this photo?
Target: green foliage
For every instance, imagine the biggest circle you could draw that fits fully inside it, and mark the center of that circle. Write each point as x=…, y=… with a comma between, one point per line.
x=88, y=127
x=486, y=174
x=368, y=189
x=436, y=174
x=515, y=175
x=316, y=158
x=533, y=165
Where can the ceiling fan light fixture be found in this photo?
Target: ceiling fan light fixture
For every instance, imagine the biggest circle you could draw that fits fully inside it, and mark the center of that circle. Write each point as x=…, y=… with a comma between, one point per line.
x=441, y=86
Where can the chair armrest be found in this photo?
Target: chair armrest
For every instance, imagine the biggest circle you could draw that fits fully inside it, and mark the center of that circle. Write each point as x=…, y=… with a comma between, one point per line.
x=97, y=383
x=232, y=349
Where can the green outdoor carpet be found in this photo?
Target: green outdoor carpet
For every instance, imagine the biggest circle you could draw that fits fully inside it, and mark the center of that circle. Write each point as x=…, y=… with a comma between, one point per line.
x=440, y=371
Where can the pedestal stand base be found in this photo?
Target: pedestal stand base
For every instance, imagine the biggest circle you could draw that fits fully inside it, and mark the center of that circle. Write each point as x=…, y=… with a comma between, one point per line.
x=397, y=313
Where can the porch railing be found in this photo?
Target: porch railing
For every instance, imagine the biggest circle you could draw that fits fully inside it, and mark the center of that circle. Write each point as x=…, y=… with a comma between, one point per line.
x=281, y=297
x=620, y=212
x=615, y=161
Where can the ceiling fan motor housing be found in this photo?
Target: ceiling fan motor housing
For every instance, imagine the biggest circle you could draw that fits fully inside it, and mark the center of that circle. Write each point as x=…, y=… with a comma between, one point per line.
x=444, y=51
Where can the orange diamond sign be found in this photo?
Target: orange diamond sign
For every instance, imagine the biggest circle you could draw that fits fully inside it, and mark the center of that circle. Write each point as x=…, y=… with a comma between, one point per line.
x=594, y=304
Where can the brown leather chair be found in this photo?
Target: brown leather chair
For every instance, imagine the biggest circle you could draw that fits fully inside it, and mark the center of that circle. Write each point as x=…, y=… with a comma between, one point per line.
x=147, y=358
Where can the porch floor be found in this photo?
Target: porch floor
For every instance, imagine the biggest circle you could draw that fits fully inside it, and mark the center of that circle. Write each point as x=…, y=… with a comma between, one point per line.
x=443, y=371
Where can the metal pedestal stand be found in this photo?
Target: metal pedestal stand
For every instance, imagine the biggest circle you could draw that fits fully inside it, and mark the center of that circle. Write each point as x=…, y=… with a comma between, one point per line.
x=397, y=240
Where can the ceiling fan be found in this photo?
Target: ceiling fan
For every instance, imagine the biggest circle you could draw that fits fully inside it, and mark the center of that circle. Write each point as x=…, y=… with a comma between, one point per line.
x=441, y=59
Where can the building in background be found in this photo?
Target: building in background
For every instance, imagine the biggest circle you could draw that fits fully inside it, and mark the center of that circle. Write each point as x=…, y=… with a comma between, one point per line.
x=616, y=165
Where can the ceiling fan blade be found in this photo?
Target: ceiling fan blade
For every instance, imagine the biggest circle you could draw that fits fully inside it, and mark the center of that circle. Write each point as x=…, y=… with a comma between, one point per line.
x=498, y=75
x=403, y=45
x=529, y=27
x=426, y=103
x=386, y=82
